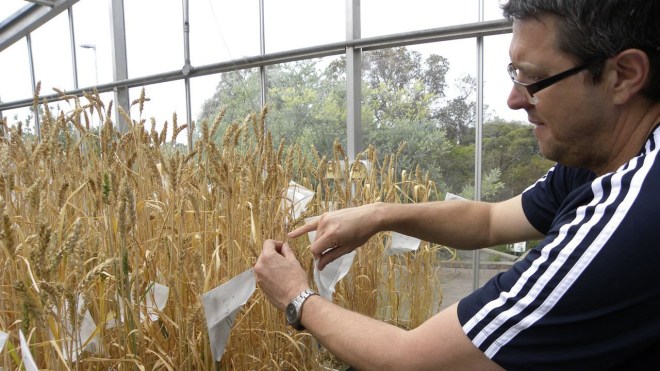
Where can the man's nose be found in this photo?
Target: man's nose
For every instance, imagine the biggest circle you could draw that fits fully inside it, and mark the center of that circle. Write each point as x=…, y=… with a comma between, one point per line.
x=517, y=100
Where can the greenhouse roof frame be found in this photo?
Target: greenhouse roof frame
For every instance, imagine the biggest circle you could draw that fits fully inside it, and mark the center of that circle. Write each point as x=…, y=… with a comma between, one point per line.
x=29, y=18
x=409, y=38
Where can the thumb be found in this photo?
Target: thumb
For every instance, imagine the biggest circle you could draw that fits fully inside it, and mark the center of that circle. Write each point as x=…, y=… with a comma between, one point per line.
x=287, y=253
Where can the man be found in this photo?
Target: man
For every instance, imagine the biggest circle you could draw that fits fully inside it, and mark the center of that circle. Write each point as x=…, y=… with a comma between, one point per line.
x=587, y=298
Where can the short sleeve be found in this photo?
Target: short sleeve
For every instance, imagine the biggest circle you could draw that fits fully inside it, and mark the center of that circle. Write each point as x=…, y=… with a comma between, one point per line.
x=542, y=200
x=582, y=299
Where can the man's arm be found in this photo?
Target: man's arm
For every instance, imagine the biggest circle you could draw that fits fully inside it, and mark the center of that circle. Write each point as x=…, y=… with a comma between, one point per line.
x=365, y=343
x=369, y=344
x=461, y=224
x=458, y=224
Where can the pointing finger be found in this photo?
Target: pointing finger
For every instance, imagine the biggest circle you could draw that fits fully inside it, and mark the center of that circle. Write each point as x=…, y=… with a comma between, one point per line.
x=302, y=230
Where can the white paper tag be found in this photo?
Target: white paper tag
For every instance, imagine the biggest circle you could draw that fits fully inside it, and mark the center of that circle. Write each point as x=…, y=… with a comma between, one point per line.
x=400, y=243
x=77, y=340
x=221, y=306
x=327, y=279
x=154, y=302
x=453, y=197
x=26, y=355
x=297, y=198
x=3, y=339
x=156, y=299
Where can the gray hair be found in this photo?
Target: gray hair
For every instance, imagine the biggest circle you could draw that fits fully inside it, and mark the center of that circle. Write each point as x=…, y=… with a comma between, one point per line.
x=593, y=30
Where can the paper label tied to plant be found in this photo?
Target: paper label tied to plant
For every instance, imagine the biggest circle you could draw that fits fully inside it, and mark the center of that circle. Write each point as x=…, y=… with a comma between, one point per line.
x=400, y=243
x=297, y=198
x=3, y=339
x=26, y=355
x=222, y=304
x=327, y=279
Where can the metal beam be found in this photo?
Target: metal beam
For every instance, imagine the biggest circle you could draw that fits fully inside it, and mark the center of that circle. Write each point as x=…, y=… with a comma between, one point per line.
x=28, y=19
x=120, y=63
x=478, y=150
x=431, y=35
x=50, y=3
x=354, y=142
x=187, y=67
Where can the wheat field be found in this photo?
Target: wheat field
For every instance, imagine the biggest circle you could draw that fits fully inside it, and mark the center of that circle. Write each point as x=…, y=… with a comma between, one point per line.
x=92, y=218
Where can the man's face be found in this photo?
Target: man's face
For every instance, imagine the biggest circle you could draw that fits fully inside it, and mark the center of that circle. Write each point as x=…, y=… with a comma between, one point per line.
x=570, y=117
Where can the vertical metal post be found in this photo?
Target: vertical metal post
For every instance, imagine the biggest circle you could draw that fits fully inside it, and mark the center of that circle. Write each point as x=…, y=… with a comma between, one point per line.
x=187, y=67
x=74, y=59
x=478, y=148
x=33, y=78
x=353, y=82
x=262, y=51
x=119, y=61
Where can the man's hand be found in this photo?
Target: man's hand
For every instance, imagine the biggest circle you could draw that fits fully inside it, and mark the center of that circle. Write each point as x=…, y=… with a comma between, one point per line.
x=340, y=232
x=279, y=273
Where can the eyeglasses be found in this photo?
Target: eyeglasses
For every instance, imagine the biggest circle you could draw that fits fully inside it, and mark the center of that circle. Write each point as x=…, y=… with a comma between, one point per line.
x=528, y=90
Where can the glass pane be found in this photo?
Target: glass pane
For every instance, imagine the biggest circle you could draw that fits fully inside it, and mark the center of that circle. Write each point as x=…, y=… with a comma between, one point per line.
x=492, y=10
x=307, y=103
x=93, y=42
x=51, y=50
x=15, y=73
x=165, y=100
x=511, y=158
x=94, y=120
x=384, y=17
x=429, y=102
x=154, y=37
x=10, y=7
x=293, y=24
x=237, y=92
x=223, y=30
x=425, y=96
x=457, y=276
x=20, y=115
x=497, y=83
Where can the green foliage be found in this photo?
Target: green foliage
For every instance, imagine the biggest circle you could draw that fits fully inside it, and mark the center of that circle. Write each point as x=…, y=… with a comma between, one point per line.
x=491, y=186
x=404, y=104
x=512, y=148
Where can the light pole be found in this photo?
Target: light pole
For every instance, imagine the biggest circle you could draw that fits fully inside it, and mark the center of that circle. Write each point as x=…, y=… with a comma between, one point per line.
x=96, y=69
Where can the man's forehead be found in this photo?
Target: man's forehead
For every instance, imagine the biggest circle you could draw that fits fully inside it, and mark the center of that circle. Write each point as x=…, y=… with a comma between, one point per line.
x=533, y=36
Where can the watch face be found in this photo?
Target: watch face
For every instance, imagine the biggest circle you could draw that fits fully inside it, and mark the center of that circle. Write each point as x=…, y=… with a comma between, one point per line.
x=291, y=313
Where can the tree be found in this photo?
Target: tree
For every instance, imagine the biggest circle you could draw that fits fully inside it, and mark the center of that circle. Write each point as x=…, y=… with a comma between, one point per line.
x=404, y=102
x=459, y=114
x=512, y=148
x=491, y=186
x=306, y=107
x=237, y=93
x=400, y=87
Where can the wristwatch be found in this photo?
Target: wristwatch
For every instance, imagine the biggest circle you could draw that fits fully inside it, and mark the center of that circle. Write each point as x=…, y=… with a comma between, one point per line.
x=294, y=309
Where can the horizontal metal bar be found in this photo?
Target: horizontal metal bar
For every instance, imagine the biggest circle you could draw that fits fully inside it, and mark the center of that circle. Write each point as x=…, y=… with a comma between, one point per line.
x=464, y=31
x=372, y=43
x=50, y=3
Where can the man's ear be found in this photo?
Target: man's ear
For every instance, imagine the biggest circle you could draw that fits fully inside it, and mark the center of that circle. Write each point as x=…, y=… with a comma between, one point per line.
x=631, y=68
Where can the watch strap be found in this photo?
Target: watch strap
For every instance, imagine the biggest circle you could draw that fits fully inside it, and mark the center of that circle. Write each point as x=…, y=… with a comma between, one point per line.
x=298, y=302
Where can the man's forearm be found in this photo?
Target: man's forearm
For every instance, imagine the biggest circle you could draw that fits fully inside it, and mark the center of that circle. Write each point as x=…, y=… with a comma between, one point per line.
x=369, y=344
x=458, y=224
x=357, y=340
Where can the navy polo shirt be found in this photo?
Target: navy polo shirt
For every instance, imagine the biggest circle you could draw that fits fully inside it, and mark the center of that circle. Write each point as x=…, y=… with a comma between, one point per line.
x=588, y=296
